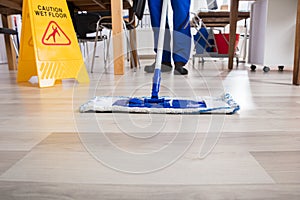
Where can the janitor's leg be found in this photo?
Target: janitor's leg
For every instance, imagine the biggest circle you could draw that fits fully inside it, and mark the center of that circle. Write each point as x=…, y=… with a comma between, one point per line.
x=155, y=8
x=182, y=31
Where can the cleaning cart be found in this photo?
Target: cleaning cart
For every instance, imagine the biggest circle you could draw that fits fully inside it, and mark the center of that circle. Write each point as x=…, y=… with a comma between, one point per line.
x=211, y=43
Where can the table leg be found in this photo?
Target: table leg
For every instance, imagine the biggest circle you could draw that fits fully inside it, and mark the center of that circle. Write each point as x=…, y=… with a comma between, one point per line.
x=234, y=6
x=296, y=72
x=10, y=52
x=117, y=28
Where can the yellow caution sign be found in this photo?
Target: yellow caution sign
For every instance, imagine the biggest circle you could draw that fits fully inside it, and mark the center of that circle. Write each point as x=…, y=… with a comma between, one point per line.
x=49, y=47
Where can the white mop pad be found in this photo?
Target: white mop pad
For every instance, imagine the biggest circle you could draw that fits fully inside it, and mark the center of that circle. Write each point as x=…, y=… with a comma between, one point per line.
x=223, y=105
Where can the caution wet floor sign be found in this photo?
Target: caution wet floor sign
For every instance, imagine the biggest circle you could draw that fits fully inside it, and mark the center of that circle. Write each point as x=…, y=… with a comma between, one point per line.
x=49, y=47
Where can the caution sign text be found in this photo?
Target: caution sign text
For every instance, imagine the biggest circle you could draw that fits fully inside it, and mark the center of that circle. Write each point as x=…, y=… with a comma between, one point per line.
x=49, y=11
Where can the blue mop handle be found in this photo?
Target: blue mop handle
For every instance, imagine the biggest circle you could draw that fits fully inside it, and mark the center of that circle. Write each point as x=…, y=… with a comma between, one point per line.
x=156, y=84
x=157, y=72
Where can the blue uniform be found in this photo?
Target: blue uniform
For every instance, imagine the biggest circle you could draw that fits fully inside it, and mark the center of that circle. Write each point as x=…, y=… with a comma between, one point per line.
x=181, y=33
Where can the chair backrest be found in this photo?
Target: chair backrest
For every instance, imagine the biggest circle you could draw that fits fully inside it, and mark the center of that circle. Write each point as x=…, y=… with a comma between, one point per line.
x=138, y=8
x=85, y=23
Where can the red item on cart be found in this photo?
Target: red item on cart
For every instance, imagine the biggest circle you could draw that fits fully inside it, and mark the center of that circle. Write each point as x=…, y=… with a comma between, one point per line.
x=222, y=42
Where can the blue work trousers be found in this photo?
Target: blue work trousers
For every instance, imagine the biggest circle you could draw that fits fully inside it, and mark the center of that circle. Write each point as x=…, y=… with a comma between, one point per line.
x=181, y=30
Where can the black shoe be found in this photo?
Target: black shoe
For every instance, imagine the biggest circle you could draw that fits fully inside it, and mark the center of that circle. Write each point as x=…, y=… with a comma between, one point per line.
x=179, y=69
x=165, y=67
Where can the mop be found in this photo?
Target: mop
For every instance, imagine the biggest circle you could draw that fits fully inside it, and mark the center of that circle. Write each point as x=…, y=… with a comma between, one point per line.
x=155, y=104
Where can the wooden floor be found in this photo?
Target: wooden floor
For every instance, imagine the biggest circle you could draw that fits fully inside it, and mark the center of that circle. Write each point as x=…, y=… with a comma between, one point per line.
x=48, y=150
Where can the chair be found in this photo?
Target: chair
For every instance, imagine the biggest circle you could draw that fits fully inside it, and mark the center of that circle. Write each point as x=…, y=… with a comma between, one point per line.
x=106, y=22
x=85, y=23
x=11, y=33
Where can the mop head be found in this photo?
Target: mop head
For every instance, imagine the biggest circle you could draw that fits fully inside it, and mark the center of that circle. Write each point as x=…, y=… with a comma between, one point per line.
x=167, y=105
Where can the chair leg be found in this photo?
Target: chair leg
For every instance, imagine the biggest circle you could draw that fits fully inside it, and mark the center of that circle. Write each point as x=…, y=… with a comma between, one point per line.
x=107, y=51
x=127, y=54
x=132, y=56
x=127, y=50
x=94, y=54
x=15, y=46
x=80, y=46
x=138, y=59
x=95, y=45
x=87, y=50
x=93, y=58
x=83, y=49
x=104, y=53
x=130, y=49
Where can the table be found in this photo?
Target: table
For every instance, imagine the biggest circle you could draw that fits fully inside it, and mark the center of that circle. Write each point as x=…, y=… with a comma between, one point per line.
x=219, y=18
x=116, y=6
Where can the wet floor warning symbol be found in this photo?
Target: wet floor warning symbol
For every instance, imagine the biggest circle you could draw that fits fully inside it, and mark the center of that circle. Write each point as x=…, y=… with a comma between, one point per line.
x=54, y=35
x=49, y=47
